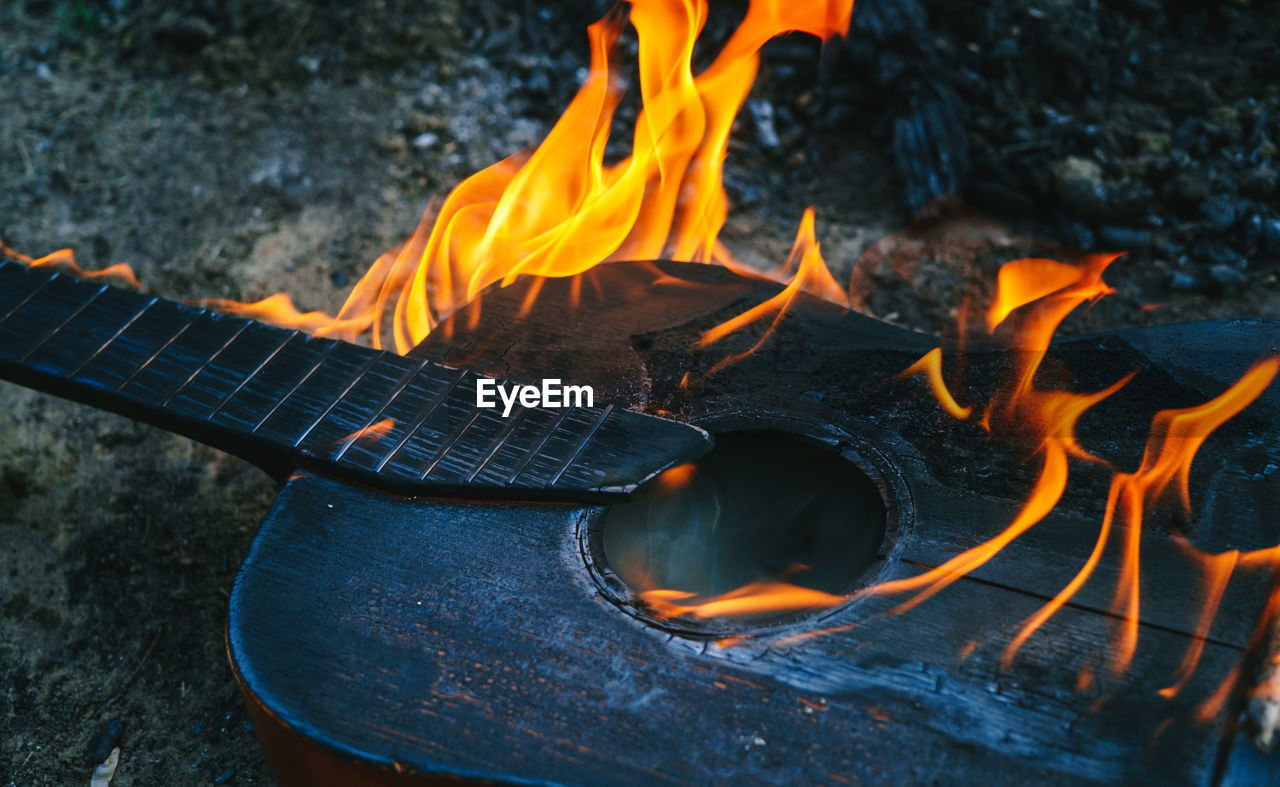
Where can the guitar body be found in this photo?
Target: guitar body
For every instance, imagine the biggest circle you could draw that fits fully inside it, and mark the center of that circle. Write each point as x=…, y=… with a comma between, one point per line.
x=383, y=639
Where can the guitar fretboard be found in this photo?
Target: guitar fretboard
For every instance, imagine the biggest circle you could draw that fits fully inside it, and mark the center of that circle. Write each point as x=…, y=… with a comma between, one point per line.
x=286, y=400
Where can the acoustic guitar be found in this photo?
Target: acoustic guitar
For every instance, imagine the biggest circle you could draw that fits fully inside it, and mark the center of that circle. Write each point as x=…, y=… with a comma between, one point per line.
x=459, y=595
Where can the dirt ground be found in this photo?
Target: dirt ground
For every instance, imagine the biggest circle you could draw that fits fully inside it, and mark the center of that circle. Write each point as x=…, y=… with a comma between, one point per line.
x=239, y=149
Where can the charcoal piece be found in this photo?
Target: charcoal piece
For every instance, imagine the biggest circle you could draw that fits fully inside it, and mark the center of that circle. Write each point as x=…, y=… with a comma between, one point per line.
x=1181, y=281
x=930, y=150
x=1271, y=234
x=1220, y=212
x=1123, y=238
x=1224, y=278
x=885, y=20
x=103, y=741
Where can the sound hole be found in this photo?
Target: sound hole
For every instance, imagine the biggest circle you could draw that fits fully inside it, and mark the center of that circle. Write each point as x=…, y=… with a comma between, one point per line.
x=762, y=514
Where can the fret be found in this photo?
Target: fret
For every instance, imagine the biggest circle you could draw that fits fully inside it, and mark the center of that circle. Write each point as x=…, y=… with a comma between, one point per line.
x=533, y=451
x=586, y=438
x=557, y=448
x=509, y=456
x=228, y=370
x=416, y=402
x=508, y=429
x=461, y=460
x=361, y=406
x=203, y=365
x=444, y=449
x=20, y=290
x=266, y=390
x=128, y=323
x=287, y=337
x=183, y=358
x=452, y=441
x=436, y=429
x=50, y=333
x=350, y=440
x=112, y=367
x=303, y=409
x=34, y=318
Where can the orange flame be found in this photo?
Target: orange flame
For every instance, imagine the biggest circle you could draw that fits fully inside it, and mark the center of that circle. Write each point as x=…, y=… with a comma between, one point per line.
x=1049, y=291
x=66, y=259
x=373, y=432
x=1176, y=436
x=1048, y=418
x=1217, y=569
x=1046, y=291
x=811, y=276
x=755, y=598
x=560, y=209
x=930, y=366
x=278, y=310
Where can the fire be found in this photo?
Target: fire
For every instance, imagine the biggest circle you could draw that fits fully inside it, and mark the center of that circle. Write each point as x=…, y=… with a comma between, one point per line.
x=930, y=366
x=811, y=275
x=562, y=209
x=1046, y=291
x=65, y=259
x=278, y=310
x=1033, y=297
x=1176, y=436
x=371, y=433
x=755, y=598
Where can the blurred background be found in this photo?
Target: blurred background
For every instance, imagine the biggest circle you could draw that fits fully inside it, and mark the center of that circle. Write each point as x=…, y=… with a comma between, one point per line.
x=243, y=147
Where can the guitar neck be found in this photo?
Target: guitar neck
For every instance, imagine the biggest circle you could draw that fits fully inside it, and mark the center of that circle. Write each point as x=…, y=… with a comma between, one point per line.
x=287, y=400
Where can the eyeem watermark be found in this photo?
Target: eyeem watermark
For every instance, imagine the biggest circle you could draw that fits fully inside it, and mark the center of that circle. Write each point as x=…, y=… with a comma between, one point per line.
x=550, y=394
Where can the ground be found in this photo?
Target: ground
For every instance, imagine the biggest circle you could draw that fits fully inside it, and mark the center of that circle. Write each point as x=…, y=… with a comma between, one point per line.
x=239, y=149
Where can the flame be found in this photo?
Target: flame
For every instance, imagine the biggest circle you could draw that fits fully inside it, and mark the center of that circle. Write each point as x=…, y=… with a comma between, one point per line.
x=373, y=432
x=278, y=310
x=1050, y=290
x=675, y=478
x=560, y=209
x=1042, y=293
x=1176, y=436
x=811, y=276
x=755, y=598
x=1045, y=292
x=66, y=260
x=1217, y=569
x=1022, y=282
x=930, y=366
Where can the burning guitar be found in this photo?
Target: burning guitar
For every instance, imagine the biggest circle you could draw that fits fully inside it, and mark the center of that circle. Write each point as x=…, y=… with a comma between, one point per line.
x=902, y=560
